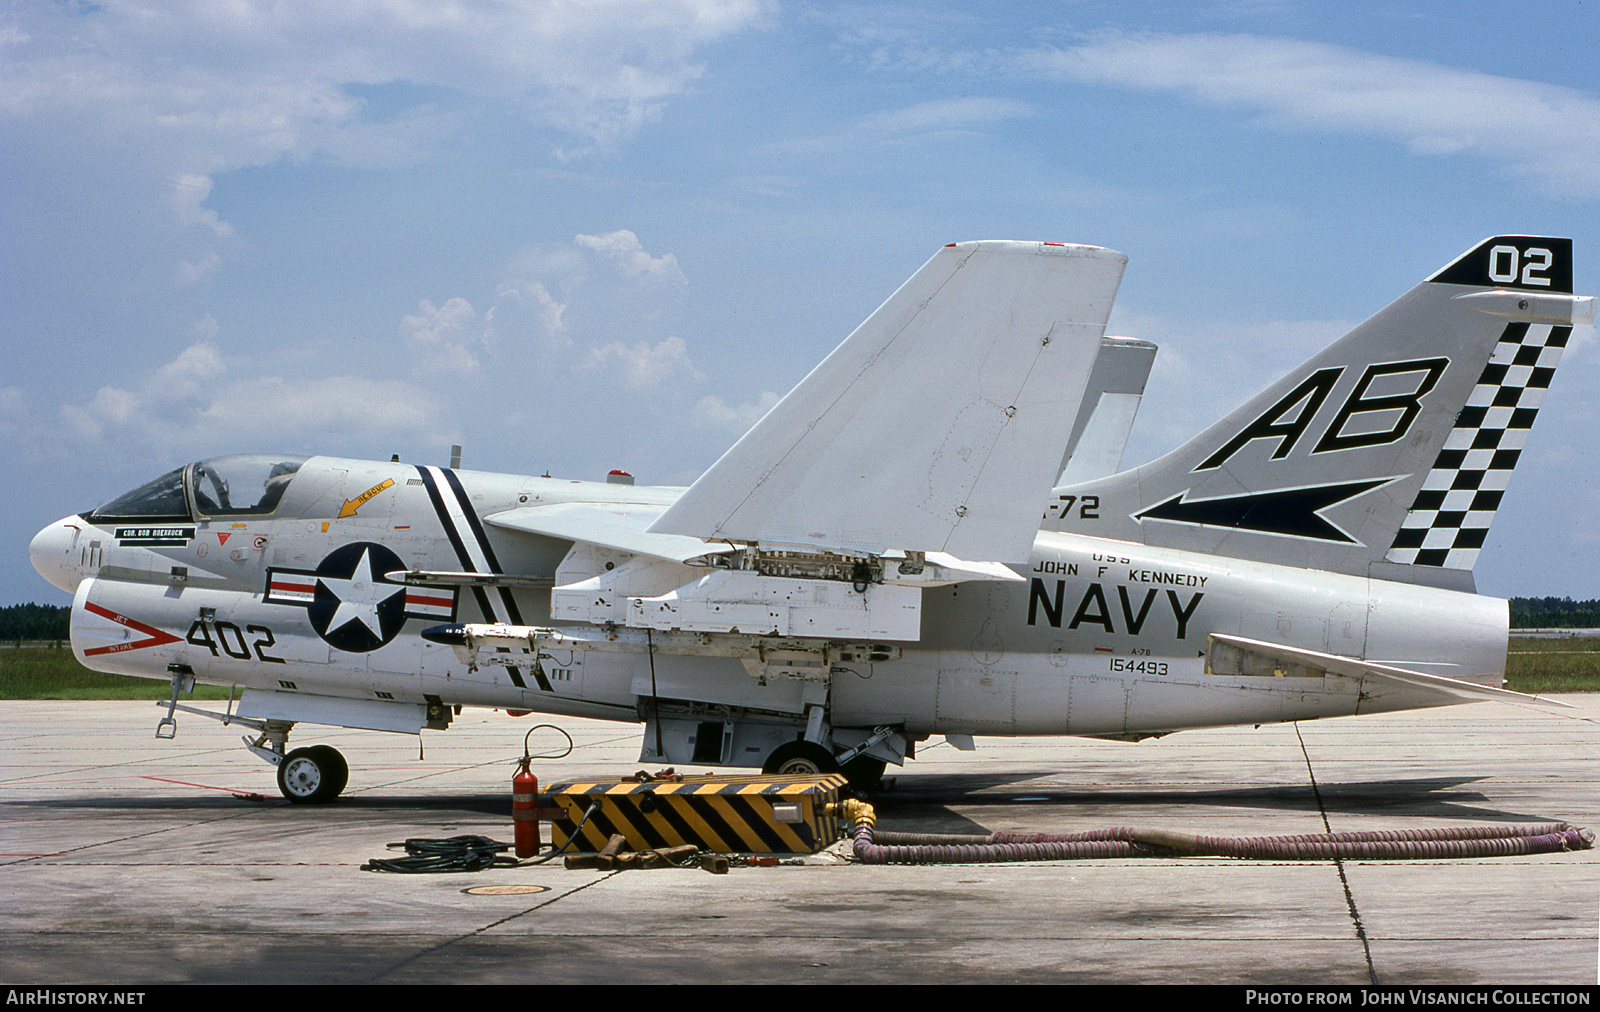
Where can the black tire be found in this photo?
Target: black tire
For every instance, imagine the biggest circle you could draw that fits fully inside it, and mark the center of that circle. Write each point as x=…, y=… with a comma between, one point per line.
x=800, y=758
x=338, y=769
x=864, y=772
x=306, y=776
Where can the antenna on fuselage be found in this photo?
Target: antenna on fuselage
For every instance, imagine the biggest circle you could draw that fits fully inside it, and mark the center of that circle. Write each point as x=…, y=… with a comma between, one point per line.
x=455, y=456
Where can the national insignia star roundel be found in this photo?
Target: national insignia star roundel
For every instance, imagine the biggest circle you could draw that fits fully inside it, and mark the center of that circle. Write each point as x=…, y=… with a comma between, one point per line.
x=355, y=607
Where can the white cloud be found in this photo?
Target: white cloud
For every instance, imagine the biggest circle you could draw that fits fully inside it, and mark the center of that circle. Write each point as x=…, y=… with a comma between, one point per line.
x=643, y=366
x=189, y=193
x=441, y=336
x=351, y=406
x=1543, y=133
x=190, y=405
x=623, y=248
x=524, y=304
x=431, y=325
x=712, y=412
x=212, y=86
x=195, y=365
x=947, y=114
x=609, y=283
x=191, y=272
x=111, y=406
x=16, y=416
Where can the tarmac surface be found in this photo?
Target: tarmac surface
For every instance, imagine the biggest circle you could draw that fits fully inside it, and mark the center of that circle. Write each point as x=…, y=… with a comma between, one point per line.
x=128, y=860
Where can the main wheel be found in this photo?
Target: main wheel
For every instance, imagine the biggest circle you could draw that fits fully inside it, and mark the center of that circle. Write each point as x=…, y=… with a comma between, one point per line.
x=864, y=772
x=337, y=769
x=800, y=758
x=312, y=776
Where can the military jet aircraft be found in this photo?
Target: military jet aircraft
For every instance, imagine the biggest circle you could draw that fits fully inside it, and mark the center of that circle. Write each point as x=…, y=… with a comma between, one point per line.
x=892, y=552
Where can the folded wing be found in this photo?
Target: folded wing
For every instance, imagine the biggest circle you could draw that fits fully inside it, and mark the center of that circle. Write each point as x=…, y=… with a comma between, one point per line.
x=937, y=426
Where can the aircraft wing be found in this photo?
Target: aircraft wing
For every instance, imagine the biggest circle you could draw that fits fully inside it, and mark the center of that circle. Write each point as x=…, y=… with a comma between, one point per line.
x=624, y=528
x=1236, y=655
x=936, y=426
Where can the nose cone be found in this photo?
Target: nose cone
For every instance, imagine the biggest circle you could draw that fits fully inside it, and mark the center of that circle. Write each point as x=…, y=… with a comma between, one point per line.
x=55, y=553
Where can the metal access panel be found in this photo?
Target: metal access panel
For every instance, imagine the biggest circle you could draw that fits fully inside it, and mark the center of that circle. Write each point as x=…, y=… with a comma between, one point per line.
x=730, y=814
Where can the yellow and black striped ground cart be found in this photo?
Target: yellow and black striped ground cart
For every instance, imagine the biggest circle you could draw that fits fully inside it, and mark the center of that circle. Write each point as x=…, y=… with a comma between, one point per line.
x=734, y=814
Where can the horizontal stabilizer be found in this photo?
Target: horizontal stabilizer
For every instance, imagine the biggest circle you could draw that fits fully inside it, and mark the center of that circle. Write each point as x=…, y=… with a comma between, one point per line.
x=937, y=426
x=1236, y=655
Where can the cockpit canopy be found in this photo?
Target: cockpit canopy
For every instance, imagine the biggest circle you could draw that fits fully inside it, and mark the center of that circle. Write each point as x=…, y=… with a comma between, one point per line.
x=241, y=484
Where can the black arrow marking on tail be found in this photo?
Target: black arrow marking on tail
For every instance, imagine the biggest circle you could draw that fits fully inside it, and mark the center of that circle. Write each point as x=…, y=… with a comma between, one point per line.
x=1284, y=512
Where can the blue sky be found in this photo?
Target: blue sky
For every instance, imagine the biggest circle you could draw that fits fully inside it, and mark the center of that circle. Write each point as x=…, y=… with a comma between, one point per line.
x=574, y=237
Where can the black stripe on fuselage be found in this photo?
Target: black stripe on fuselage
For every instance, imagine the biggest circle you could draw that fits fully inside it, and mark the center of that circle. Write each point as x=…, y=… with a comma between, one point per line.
x=482, y=538
x=513, y=615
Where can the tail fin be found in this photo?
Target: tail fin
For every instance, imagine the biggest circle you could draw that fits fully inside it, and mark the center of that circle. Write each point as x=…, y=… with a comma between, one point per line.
x=1105, y=415
x=1388, y=453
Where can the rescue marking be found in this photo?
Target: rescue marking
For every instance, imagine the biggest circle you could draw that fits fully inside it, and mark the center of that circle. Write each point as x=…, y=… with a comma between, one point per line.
x=351, y=505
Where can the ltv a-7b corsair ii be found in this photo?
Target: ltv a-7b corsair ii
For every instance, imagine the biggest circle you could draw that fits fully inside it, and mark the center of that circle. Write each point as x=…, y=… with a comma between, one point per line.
x=867, y=566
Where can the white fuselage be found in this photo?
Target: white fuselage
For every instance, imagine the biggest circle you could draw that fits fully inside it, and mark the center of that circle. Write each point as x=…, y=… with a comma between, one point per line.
x=1101, y=637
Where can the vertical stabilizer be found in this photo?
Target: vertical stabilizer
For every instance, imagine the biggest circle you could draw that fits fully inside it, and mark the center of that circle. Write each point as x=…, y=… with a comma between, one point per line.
x=1387, y=453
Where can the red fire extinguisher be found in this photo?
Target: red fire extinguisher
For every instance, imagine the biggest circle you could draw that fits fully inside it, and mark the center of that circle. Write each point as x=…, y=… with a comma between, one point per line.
x=524, y=809
x=525, y=793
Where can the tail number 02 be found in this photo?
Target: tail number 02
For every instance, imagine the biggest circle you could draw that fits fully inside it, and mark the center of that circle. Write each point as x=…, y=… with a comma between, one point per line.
x=1536, y=262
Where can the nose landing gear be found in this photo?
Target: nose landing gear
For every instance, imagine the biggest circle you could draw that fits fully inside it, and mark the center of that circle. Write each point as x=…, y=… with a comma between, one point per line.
x=312, y=776
x=306, y=776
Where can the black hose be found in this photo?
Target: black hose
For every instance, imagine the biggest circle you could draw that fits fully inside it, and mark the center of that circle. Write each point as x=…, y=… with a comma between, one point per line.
x=455, y=854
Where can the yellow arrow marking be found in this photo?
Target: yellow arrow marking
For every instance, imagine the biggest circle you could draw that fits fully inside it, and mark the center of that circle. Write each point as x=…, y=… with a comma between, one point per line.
x=351, y=505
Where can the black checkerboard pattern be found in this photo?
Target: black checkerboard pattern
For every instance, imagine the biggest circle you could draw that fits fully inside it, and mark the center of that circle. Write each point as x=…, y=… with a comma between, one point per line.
x=1450, y=518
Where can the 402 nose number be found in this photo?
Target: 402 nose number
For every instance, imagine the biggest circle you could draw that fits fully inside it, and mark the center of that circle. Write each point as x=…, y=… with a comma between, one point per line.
x=232, y=640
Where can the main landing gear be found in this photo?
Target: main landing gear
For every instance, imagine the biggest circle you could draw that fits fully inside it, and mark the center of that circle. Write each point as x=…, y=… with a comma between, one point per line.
x=807, y=758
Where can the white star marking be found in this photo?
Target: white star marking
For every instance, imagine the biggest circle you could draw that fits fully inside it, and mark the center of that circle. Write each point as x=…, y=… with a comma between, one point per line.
x=359, y=596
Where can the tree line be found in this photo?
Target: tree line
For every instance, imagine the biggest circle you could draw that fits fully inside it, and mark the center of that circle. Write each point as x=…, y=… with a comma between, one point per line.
x=1554, y=612
x=34, y=622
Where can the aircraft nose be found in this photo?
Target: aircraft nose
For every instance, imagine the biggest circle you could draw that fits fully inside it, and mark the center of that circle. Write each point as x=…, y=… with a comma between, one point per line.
x=54, y=553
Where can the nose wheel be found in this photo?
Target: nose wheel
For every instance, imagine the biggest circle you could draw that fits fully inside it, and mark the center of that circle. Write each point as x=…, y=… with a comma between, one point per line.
x=313, y=776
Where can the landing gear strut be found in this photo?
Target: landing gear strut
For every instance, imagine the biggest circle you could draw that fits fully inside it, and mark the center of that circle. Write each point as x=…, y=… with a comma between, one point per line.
x=306, y=776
